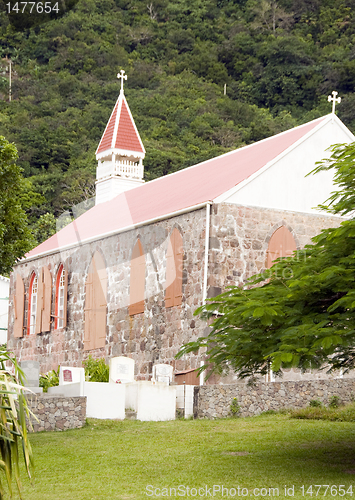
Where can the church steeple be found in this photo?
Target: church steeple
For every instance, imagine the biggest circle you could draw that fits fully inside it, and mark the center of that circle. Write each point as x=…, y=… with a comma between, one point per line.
x=120, y=152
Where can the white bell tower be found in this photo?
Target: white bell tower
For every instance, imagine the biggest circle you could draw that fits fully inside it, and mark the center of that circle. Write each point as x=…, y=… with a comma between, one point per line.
x=120, y=153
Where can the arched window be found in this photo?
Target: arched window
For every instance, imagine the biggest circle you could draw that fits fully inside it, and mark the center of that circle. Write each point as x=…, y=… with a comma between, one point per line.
x=174, y=263
x=281, y=244
x=61, y=298
x=32, y=305
x=95, y=304
x=137, y=280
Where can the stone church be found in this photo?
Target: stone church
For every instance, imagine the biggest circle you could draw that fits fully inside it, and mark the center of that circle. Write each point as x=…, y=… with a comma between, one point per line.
x=125, y=277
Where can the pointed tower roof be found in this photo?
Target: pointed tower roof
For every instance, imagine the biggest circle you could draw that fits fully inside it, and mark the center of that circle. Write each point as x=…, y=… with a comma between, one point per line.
x=121, y=135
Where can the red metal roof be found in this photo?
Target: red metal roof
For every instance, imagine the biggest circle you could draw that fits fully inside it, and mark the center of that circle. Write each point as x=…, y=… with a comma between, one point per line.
x=180, y=190
x=126, y=136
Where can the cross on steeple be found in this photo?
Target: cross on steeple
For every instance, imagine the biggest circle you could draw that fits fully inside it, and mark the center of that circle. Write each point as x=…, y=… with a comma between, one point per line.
x=122, y=76
x=334, y=99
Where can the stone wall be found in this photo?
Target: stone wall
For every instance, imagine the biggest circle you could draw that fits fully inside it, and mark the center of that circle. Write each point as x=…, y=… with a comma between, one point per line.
x=57, y=413
x=213, y=401
x=238, y=243
x=239, y=238
x=154, y=336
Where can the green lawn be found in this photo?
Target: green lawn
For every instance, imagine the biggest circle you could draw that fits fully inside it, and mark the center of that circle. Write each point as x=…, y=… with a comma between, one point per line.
x=109, y=460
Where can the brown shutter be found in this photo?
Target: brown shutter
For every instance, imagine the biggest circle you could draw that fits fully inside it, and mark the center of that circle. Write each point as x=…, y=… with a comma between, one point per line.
x=100, y=304
x=88, y=311
x=19, y=306
x=40, y=302
x=170, y=273
x=174, y=263
x=65, y=297
x=281, y=244
x=178, y=257
x=95, y=304
x=47, y=300
x=137, y=280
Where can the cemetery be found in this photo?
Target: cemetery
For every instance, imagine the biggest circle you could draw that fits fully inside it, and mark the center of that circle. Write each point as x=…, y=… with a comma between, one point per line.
x=74, y=399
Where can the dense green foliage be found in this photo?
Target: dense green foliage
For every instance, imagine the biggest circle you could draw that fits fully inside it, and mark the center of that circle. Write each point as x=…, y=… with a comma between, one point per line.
x=96, y=370
x=302, y=311
x=15, y=237
x=279, y=60
x=50, y=379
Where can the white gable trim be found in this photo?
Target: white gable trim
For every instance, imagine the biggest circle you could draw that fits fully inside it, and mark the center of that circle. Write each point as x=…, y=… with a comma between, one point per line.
x=134, y=124
x=117, y=117
x=329, y=118
x=98, y=147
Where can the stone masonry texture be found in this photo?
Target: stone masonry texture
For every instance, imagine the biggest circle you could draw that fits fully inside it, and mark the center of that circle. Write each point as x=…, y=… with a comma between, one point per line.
x=238, y=244
x=214, y=401
x=57, y=413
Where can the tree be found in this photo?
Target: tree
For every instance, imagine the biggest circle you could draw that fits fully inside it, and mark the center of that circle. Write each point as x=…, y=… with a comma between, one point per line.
x=15, y=236
x=300, y=312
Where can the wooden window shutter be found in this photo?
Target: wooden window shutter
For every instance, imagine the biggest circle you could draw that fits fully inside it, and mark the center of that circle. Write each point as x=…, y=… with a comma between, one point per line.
x=174, y=263
x=281, y=244
x=100, y=300
x=88, y=311
x=19, y=306
x=137, y=280
x=95, y=304
x=40, y=302
x=47, y=300
x=178, y=257
x=65, y=297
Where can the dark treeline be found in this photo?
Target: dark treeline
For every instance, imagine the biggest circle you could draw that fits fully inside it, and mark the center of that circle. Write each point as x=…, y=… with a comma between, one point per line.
x=279, y=60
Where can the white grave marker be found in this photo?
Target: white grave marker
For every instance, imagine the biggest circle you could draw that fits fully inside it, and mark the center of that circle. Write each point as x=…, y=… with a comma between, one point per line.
x=162, y=373
x=31, y=371
x=71, y=375
x=121, y=370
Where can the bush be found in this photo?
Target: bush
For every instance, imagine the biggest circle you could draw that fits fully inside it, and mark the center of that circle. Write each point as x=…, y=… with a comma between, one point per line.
x=315, y=403
x=50, y=379
x=96, y=370
x=234, y=408
x=334, y=402
x=13, y=429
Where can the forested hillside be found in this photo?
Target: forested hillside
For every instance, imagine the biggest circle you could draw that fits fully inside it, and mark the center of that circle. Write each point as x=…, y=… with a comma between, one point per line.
x=279, y=61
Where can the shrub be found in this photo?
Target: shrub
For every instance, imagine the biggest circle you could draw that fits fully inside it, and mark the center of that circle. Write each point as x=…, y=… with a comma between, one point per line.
x=13, y=429
x=96, y=370
x=315, y=403
x=334, y=402
x=234, y=408
x=50, y=379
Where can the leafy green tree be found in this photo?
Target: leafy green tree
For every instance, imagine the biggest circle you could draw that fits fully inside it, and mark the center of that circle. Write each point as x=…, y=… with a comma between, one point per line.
x=301, y=311
x=15, y=236
x=44, y=227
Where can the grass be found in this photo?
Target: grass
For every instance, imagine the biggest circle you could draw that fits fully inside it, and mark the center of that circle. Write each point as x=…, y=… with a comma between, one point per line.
x=116, y=460
x=340, y=414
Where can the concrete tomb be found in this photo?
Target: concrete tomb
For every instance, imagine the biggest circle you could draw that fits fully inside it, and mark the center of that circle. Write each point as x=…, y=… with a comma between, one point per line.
x=31, y=372
x=71, y=375
x=121, y=370
x=163, y=373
